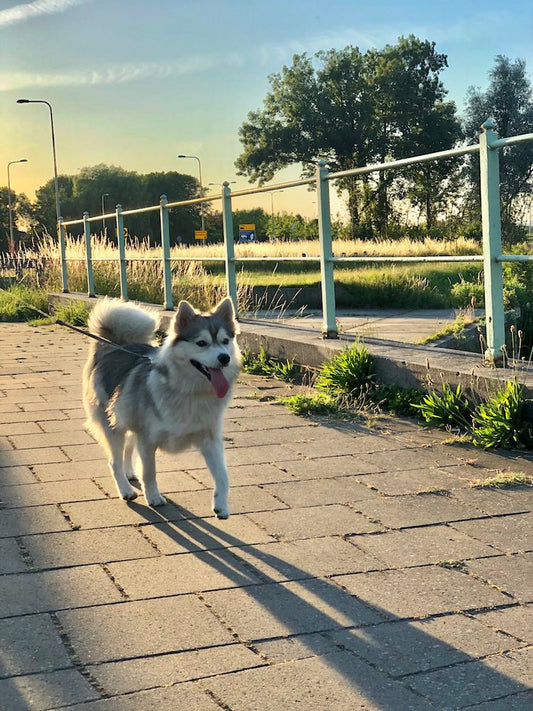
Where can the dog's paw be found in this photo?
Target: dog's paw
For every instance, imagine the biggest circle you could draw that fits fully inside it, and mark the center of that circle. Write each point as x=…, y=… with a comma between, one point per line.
x=131, y=475
x=221, y=513
x=128, y=494
x=155, y=499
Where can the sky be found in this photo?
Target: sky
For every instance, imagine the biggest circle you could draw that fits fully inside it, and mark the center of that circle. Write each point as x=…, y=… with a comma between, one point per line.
x=134, y=83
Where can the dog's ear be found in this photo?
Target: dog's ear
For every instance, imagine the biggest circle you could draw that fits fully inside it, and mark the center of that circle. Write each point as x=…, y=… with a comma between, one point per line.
x=184, y=316
x=225, y=311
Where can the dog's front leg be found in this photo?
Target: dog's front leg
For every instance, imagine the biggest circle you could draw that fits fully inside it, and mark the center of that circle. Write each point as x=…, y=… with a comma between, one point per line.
x=213, y=452
x=148, y=481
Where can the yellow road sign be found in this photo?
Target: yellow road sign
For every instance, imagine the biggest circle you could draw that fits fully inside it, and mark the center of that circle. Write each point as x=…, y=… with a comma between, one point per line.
x=200, y=234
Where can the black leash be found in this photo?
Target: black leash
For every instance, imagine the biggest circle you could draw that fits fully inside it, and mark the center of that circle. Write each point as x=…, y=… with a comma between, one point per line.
x=77, y=329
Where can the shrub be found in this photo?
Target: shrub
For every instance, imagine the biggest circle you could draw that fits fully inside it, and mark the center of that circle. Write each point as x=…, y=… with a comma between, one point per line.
x=499, y=421
x=348, y=374
x=448, y=409
x=16, y=303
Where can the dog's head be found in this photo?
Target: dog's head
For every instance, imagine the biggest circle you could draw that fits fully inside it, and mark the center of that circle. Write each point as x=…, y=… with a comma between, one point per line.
x=207, y=342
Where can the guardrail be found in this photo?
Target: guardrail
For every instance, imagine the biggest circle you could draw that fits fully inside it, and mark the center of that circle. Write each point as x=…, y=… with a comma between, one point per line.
x=488, y=149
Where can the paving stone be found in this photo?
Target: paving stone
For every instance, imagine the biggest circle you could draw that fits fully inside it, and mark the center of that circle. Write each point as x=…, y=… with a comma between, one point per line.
x=260, y=612
x=84, y=547
x=205, y=534
x=17, y=457
x=51, y=439
x=288, y=649
x=321, y=491
x=476, y=681
x=17, y=428
x=81, y=452
x=31, y=520
x=418, y=592
x=420, y=546
x=116, y=512
x=10, y=557
x=242, y=499
x=327, y=467
x=168, y=482
x=31, y=644
x=148, y=627
x=412, y=481
x=132, y=675
x=40, y=692
x=14, y=414
x=516, y=621
x=400, y=648
x=37, y=494
x=274, y=436
x=510, y=573
x=338, y=444
x=173, y=698
x=422, y=510
x=179, y=574
x=69, y=470
x=246, y=474
x=50, y=590
x=16, y=475
x=510, y=534
x=313, y=557
x=516, y=702
x=335, y=681
x=492, y=503
x=314, y=521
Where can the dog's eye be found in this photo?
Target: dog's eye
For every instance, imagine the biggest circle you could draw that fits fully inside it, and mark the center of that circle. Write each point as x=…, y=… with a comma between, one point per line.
x=202, y=344
x=225, y=341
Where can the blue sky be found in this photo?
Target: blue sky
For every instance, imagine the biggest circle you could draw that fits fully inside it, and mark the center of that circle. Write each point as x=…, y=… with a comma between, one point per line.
x=133, y=83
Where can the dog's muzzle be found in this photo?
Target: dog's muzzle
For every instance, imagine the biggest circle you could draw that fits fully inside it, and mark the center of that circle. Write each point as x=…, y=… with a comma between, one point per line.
x=216, y=377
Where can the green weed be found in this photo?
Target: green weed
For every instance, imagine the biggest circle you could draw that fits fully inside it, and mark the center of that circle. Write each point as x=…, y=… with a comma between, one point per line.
x=16, y=303
x=499, y=421
x=447, y=409
x=347, y=374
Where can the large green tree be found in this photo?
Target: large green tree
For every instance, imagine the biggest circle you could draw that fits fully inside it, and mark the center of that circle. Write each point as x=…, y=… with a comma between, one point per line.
x=354, y=108
x=508, y=100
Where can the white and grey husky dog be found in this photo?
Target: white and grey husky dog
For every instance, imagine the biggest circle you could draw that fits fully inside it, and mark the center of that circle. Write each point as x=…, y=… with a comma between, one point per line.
x=140, y=398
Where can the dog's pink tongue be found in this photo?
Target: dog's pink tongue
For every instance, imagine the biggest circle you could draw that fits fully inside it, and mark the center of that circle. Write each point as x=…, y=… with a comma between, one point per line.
x=218, y=382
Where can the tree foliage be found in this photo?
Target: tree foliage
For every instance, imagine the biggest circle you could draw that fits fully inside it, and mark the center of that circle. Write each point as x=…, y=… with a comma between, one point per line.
x=508, y=100
x=354, y=109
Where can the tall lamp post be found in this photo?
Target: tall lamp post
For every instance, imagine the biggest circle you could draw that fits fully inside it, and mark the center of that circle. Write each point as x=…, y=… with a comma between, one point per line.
x=11, y=237
x=103, y=213
x=181, y=155
x=56, y=187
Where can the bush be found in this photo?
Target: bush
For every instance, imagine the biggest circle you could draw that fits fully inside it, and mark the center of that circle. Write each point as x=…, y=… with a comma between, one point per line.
x=449, y=409
x=349, y=374
x=499, y=422
x=16, y=303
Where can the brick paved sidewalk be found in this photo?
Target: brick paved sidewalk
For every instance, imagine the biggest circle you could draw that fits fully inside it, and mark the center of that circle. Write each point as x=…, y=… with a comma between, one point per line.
x=359, y=570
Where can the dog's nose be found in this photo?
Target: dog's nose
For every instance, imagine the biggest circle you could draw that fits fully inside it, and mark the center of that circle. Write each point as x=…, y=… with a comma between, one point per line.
x=223, y=359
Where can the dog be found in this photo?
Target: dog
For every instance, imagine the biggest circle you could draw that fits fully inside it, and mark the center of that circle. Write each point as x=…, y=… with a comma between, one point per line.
x=139, y=397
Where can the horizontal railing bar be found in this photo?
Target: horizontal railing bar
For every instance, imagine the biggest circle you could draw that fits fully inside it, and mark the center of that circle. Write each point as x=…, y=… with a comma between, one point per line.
x=405, y=161
x=515, y=258
x=513, y=139
x=359, y=258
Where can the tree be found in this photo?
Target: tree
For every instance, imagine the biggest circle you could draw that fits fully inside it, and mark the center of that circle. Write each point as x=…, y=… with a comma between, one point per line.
x=352, y=109
x=508, y=100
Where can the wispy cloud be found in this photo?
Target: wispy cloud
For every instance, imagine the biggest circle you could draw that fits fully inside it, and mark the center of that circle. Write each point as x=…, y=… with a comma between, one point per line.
x=115, y=74
x=27, y=11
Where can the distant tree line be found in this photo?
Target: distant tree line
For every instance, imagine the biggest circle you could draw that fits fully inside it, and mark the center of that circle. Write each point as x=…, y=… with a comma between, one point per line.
x=352, y=109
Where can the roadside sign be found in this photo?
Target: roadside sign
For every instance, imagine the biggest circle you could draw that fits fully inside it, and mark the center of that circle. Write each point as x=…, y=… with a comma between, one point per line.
x=247, y=233
x=200, y=234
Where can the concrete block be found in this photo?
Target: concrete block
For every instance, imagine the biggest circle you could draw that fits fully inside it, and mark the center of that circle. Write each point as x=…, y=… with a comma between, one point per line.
x=31, y=520
x=513, y=574
x=509, y=534
x=40, y=692
x=31, y=644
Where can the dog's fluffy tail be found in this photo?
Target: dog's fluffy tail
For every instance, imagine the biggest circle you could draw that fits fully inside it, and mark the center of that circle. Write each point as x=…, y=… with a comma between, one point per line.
x=122, y=323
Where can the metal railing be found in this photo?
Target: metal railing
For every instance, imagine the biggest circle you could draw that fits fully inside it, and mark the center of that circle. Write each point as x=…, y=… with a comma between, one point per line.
x=492, y=258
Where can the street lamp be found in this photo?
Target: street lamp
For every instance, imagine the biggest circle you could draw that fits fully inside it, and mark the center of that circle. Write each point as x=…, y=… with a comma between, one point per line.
x=181, y=155
x=272, y=210
x=11, y=239
x=103, y=212
x=41, y=101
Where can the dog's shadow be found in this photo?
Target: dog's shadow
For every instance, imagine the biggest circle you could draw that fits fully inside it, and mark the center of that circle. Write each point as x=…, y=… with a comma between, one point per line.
x=326, y=620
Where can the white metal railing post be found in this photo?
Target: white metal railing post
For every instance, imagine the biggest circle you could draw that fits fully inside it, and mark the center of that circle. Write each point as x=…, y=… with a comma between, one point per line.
x=229, y=245
x=121, y=254
x=165, y=244
x=329, y=323
x=62, y=254
x=88, y=254
x=492, y=242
